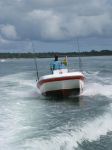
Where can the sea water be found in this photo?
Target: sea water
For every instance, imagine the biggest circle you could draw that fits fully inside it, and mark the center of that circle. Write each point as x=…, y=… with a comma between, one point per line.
x=29, y=121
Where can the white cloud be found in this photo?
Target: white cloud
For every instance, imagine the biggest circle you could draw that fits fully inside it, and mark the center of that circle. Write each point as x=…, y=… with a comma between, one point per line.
x=56, y=26
x=8, y=31
x=55, y=20
x=88, y=25
x=48, y=22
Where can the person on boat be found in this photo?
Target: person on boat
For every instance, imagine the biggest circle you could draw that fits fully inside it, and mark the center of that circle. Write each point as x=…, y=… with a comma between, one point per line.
x=65, y=61
x=56, y=64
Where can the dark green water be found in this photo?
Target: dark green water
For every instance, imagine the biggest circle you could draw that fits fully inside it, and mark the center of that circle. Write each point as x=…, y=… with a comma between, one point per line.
x=29, y=121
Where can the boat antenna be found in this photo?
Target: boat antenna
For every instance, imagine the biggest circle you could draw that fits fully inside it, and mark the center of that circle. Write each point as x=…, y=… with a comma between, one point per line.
x=35, y=61
x=80, y=61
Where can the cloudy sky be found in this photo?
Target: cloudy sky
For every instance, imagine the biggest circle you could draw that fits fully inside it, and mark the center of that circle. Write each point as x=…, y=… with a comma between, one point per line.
x=55, y=25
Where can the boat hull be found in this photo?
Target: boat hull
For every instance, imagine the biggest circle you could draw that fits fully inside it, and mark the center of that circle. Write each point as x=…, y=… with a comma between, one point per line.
x=62, y=93
x=61, y=85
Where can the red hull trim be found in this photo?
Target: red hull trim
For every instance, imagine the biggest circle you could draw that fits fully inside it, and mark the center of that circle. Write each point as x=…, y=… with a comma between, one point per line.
x=60, y=79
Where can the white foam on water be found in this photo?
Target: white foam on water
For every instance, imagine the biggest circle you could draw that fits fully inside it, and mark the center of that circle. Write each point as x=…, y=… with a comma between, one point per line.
x=11, y=129
x=17, y=85
x=2, y=60
x=91, y=73
x=14, y=88
x=14, y=77
x=92, y=89
x=97, y=85
x=90, y=131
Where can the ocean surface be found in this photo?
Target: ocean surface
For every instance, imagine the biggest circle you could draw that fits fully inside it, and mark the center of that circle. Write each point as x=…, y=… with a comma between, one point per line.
x=29, y=121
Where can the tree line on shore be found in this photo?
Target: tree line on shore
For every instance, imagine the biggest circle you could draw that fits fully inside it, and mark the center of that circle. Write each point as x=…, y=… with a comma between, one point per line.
x=51, y=54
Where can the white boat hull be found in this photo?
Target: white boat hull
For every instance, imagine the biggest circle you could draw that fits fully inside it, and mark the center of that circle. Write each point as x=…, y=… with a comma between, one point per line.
x=64, y=84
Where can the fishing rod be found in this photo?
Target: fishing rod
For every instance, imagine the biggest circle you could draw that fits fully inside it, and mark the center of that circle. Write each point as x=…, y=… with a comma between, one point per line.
x=80, y=61
x=35, y=61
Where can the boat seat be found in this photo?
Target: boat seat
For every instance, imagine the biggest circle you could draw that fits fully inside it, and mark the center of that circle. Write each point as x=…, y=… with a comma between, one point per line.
x=60, y=71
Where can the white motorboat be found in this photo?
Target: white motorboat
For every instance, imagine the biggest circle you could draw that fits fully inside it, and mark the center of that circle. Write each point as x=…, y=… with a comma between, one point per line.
x=61, y=83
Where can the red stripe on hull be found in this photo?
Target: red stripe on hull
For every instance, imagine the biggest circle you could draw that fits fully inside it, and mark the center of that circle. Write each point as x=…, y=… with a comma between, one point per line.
x=59, y=79
x=62, y=93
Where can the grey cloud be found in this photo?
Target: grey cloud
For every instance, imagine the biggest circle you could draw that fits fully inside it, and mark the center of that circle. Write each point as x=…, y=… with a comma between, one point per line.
x=8, y=32
x=54, y=20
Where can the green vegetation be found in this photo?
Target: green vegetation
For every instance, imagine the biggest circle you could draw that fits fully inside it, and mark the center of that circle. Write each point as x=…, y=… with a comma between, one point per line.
x=51, y=54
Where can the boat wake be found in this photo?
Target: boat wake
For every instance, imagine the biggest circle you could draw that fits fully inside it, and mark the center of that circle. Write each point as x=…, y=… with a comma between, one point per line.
x=2, y=60
x=18, y=86
x=97, y=85
x=92, y=89
x=21, y=86
x=89, y=131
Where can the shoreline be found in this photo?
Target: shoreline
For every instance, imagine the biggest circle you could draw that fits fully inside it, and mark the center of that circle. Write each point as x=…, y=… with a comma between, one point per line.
x=14, y=58
x=39, y=55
